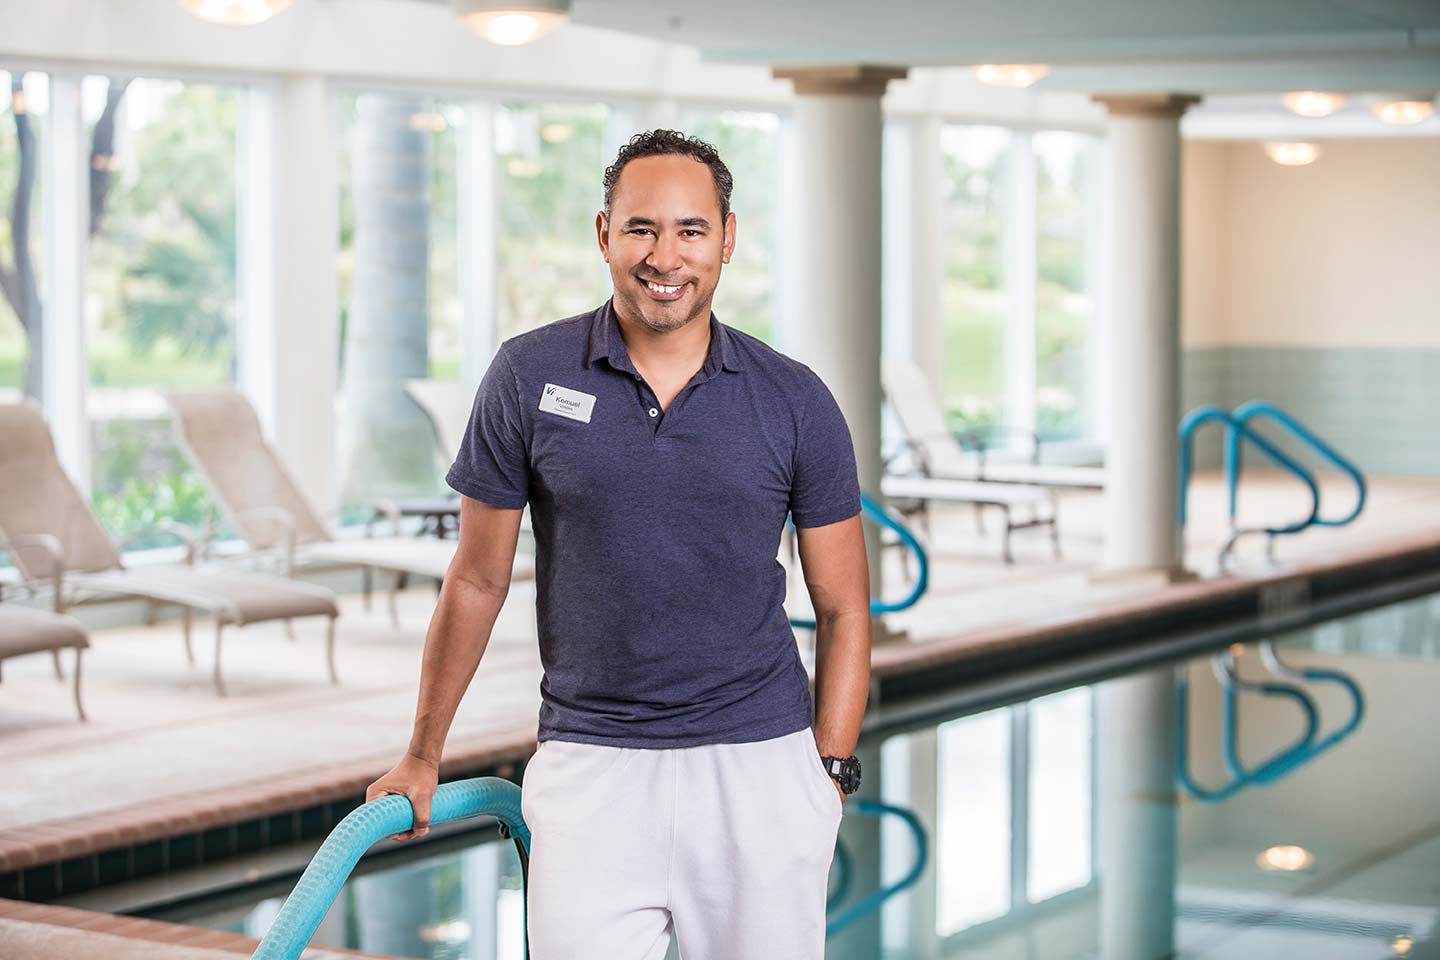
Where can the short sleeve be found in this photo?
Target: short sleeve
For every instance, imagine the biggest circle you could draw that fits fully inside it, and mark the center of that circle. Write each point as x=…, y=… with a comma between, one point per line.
x=492, y=464
x=825, y=486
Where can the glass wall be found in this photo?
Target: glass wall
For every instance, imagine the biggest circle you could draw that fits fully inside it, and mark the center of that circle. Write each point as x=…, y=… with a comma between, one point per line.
x=747, y=143
x=551, y=160
x=22, y=126
x=160, y=297
x=1062, y=295
x=975, y=301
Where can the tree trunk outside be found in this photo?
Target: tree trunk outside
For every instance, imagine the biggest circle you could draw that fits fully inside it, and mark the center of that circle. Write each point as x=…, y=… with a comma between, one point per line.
x=387, y=445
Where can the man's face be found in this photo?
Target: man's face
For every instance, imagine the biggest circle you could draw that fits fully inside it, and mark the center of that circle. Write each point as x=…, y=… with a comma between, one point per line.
x=664, y=241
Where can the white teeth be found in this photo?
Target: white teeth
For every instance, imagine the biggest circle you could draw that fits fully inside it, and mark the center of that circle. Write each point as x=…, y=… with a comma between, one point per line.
x=659, y=289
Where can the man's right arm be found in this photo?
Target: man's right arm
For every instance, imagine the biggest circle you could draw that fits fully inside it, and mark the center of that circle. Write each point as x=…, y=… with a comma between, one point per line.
x=475, y=588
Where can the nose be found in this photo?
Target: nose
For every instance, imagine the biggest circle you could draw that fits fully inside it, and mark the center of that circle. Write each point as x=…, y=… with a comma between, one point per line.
x=665, y=257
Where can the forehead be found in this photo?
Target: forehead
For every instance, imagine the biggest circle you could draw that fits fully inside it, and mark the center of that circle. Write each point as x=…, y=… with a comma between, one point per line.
x=682, y=185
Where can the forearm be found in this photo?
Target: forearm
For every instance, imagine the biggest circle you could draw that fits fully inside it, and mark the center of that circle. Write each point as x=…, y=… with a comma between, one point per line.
x=842, y=680
x=459, y=632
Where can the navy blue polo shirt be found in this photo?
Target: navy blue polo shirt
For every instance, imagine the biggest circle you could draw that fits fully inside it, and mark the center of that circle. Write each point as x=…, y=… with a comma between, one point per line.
x=659, y=595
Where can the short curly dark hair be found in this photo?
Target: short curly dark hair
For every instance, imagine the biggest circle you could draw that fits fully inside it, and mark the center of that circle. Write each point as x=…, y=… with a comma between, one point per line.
x=661, y=143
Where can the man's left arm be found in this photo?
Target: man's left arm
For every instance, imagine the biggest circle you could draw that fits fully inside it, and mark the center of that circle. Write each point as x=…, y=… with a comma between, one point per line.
x=832, y=558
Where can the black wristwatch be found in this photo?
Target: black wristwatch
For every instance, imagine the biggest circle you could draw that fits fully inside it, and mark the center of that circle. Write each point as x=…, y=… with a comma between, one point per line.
x=844, y=771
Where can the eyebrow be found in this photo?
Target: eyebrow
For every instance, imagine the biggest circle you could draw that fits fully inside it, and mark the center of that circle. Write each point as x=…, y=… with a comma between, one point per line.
x=682, y=222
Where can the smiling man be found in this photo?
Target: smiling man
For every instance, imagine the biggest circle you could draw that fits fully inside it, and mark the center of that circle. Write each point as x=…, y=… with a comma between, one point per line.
x=679, y=782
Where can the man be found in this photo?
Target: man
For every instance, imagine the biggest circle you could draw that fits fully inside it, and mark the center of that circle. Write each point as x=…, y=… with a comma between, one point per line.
x=678, y=782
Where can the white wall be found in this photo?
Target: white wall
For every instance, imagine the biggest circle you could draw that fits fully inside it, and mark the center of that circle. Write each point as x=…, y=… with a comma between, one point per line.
x=1340, y=253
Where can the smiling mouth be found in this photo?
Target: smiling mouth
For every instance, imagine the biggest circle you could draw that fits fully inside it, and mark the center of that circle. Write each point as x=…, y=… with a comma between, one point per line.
x=660, y=291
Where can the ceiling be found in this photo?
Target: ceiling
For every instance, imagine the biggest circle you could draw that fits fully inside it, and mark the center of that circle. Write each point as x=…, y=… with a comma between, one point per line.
x=1099, y=46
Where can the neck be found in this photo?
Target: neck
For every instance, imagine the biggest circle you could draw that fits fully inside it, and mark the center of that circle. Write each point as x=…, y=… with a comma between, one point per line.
x=684, y=348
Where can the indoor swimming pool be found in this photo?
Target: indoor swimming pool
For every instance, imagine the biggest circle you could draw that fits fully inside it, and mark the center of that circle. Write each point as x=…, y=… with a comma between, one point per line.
x=1088, y=821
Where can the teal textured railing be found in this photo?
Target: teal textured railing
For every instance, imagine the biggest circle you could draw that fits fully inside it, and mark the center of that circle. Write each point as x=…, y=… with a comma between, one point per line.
x=1260, y=408
x=885, y=518
x=366, y=825
x=838, y=920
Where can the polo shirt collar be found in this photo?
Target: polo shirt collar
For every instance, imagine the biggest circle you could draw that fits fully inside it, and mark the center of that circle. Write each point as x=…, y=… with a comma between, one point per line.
x=606, y=341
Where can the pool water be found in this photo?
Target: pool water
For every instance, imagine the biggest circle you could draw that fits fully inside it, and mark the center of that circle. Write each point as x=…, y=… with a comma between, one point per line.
x=1057, y=830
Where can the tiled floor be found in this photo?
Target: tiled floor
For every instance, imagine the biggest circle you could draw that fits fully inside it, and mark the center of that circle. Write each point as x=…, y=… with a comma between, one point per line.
x=159, y=735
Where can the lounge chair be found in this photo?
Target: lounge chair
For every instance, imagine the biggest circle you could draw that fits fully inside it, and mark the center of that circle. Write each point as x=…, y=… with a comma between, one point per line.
x=26, y=630
x=219, y=431
x=910, y=395
x=56, y=541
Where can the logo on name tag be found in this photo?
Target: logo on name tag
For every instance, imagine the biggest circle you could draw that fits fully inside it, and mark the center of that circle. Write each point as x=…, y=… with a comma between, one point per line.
x=564, y=402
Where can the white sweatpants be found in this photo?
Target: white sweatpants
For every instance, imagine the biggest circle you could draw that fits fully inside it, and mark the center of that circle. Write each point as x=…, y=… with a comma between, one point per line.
x=730, y=843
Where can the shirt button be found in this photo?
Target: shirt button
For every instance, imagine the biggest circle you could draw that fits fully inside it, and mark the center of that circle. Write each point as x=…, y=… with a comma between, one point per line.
x=654, y=412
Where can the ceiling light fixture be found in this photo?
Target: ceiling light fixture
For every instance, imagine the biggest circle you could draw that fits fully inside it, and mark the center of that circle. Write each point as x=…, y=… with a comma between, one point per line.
x=1287, y=858
x=512, y=22
x=1292, y=154
x=1314, y=103
x=235, y=13
x=1402, y=109
x=1016, y=75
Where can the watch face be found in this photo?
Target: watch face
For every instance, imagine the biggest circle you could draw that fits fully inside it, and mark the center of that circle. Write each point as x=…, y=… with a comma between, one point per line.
x=850, y=775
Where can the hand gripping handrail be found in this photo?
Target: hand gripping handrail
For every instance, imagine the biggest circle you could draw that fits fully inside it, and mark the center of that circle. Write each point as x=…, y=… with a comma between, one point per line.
x=840, y=919
x=885, y=517
x=1234, y=428
x=367, y=824
x=1259, y=408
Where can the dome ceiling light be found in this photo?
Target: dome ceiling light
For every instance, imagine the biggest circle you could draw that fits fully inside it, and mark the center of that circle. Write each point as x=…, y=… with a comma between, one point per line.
x=1014, y=75
x=1314, y=103
x=512, y=22
x=1402, y=109
x=236, y=13
x=1292, y=154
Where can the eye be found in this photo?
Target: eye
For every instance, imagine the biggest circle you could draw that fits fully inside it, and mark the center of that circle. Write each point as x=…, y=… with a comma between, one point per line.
x=641, y=230
x=695, y=233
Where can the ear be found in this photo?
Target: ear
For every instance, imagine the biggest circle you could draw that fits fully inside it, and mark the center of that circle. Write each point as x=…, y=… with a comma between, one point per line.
x=728, y=249
x=602, y=234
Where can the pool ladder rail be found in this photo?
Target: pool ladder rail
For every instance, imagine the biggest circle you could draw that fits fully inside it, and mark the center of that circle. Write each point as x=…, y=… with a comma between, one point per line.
x=1238, y=428
x=1284, y=683
x=496, y=797
x=887, y=518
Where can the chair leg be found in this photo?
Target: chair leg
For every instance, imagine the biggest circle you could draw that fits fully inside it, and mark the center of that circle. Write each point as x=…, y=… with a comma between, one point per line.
x=186, y=622
x=395, y=580
x=366, y=585
x=59, y=672
x=219, y=681
x=330, y=650
x=79, y=707
x=289, y=630
x=1009, y=557
x=980, y=519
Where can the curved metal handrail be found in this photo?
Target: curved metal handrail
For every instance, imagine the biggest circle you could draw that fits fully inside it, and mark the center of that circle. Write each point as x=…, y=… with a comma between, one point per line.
x=885, y=518
x=1261, y=408
x=872, y=901
x=1284, y=760
x=364, y=826
x=1274, y=664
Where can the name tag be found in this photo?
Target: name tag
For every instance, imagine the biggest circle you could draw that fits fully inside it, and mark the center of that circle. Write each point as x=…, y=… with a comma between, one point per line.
x=564, y=402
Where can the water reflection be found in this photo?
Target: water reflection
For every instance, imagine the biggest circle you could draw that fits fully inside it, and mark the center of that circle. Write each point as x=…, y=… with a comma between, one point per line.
x=1058, y=831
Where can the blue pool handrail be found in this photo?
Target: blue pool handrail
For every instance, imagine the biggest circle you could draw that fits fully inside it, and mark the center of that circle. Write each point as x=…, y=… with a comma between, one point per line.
x=1260, y=408
x=1282, y=761
x=1208, y=412
x=366, y=825
x=1275, y=665
x=840, y=919
x=885, y=517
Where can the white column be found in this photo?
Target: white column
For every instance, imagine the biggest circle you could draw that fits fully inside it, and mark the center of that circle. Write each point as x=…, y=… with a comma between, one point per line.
x=65, y=158
x=1142, y=332
x=914, y=234
x=836, y=331
x=1137, y=815
x=303, y=315
x=1020, y=276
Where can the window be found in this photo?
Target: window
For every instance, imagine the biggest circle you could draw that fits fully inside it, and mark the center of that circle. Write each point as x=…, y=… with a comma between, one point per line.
x=550, y=160
x=160, y=289
x=972, y=849
x=975, y=300
x=22, y=121
x=1062, y=299
x=747, y=143
x=1060, y=794
x=400, y=311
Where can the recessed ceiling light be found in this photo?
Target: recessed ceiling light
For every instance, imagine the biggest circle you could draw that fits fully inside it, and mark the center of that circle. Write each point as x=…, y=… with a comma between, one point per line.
x=512, y=22
x=1292, y=154
x=1314, y=103
x=1286, y=858
x=1010, y=74
x=240, y=13
x=1402, y=110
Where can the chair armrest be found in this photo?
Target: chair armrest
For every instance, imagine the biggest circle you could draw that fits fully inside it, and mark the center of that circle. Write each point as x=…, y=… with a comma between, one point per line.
x=282, y=518
x=388, y=509
x=173, y=527
x=53, y=551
